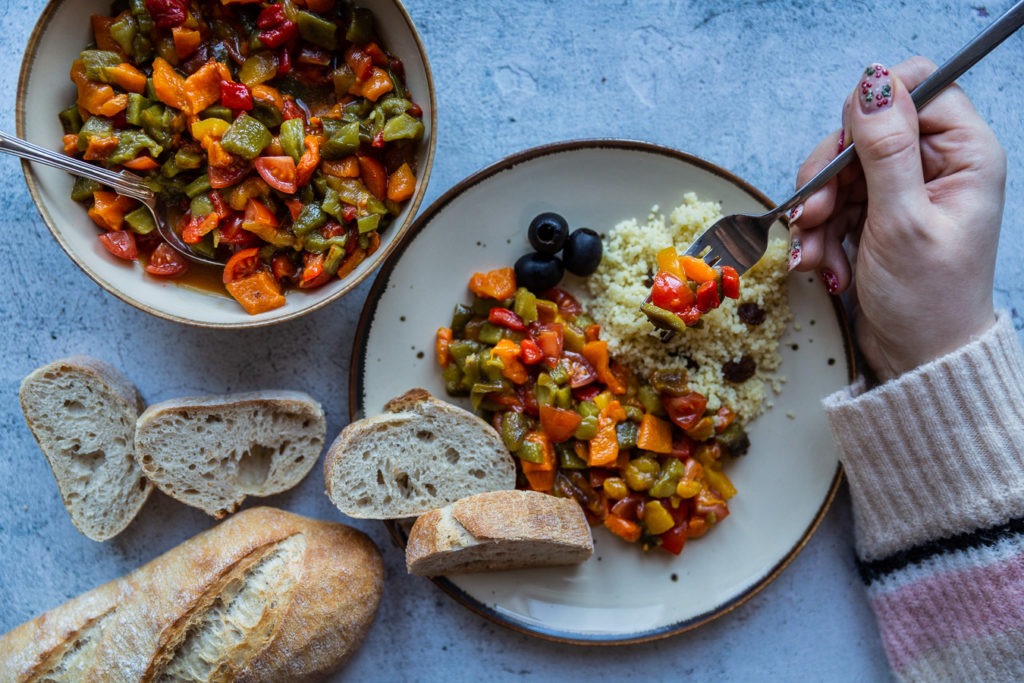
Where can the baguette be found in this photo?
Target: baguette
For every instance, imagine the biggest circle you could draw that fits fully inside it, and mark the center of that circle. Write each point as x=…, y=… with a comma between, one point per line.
x=265, y=596
x=211, y=452
x=497, y=531
x=82, y=414
x=419, y=454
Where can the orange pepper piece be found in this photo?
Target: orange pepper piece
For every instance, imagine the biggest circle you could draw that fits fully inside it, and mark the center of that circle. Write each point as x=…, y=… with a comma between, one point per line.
x=696, y=269
x=495, y=284
x=202, y=88
x=623, y=528
x=168, y=84
x=127, y=77
x=257, y=293
x=668, y=261
x=108, y=209
x=374, y=87
x=540, y=475
x=343, y=168
x=186, y=41
x=597, y=353
x=559, y=424
x=351, y=262
x=443, y=346
x=654, y=434
x=401, y=184
x=513, y=370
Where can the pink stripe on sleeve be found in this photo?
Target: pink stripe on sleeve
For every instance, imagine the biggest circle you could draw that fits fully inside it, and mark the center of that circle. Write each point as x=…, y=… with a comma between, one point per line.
x=950, y=607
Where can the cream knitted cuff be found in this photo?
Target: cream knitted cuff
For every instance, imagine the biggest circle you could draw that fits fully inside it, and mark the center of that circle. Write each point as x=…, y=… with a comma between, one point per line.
x=938, y=451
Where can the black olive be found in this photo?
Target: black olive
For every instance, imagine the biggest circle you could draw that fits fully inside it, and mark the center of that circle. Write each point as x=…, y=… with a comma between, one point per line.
x=548, y=232
x=539, y=272
x=583, y=252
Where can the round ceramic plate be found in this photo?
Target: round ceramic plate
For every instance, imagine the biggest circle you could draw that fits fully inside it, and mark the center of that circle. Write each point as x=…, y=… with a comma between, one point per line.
x=44, y=89
x=785, y=482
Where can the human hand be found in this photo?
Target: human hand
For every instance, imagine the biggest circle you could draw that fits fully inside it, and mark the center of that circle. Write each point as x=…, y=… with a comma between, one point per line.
x=920, y=215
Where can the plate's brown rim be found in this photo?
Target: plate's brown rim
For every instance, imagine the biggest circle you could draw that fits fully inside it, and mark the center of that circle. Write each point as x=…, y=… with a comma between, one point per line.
x=31, y=181
x=358, y=360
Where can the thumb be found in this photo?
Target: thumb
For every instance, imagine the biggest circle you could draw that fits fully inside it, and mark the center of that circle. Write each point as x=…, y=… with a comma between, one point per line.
x=883, y=123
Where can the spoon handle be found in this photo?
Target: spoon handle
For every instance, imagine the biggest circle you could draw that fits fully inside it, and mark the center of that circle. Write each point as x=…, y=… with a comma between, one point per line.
x=124, y=183
x=953, y=68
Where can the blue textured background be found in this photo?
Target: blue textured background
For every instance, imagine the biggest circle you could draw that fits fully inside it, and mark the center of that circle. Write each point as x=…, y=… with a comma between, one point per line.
x=749, y=85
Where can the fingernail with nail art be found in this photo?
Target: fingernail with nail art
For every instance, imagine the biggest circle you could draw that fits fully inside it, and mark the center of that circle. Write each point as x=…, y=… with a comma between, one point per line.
x=830, y=280
x=795, y=213
x=796, y=252
x=842, y=141
x=876, y=89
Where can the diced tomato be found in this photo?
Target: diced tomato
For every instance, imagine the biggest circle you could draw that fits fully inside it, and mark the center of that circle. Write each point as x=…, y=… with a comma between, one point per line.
x=290, y=110
x=167, y=13
x=683, y=447
x=671, y=293
x=581, y=371
x=166, y=262
x=284, y=61
x=271, y=16
x=530, y=352
x=120, y=243
x=243, y=263
x=586, y=393
x=313, y=273
x=283, y=268
x=232, y=174
x=257, y=212
x=686, y=410
x=231, y=232
x=278, y=172
x=567, y=303
x=674, y=539
x=550, y=339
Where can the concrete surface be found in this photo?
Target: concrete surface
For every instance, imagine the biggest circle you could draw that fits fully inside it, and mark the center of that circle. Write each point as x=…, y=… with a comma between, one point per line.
x=750, y=85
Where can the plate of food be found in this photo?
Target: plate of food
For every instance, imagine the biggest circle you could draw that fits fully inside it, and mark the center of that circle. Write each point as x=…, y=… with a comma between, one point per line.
x=703, y=463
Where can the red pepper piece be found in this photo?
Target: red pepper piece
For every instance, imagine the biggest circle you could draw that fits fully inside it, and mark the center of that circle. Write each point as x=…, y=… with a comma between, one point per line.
x=530, y=352
x=505, y=318
x=378, y=140
x=707, y=296
x=279, y=35
x=284, y=62
x=730, y=282
x=235, y=96
x=167, y=13
x=292, y=111
x=271, y=16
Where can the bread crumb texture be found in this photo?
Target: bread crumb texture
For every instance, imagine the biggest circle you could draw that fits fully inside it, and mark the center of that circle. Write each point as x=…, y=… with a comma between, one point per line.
x=613, y=295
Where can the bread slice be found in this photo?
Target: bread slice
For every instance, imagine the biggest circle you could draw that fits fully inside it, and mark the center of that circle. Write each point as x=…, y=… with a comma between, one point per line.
x=419, y=454
x=213, y=451
x=82, y=413
x=264, y=596
x=497, y=531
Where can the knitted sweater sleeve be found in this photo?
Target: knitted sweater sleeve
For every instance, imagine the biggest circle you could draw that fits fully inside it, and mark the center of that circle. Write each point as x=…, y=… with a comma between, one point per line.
x=935, y=466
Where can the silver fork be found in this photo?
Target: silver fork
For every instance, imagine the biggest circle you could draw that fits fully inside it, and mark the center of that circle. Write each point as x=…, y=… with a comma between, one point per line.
x=741, y=240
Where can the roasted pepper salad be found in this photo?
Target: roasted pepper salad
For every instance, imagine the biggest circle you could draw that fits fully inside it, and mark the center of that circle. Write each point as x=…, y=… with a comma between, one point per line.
x=642, y=456
x=280, y=136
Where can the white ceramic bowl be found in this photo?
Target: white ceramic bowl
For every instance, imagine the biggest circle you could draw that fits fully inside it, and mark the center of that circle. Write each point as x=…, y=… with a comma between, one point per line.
x=44, y=89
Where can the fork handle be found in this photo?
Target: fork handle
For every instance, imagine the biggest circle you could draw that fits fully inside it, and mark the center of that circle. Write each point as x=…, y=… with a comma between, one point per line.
x=954, y=67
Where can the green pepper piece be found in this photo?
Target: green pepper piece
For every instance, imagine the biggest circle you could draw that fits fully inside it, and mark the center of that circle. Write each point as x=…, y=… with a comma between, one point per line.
x=293, y=136
x=492, y=368
x=360, y=27
x=588, y=409
x=170, y=168
x=514, y=426
x=560, y=373
x=352, y=191
x=201, y=205
x=545, y=390
x=82, y=189
x=587, y=428
x=246, y=137
x=482, y=306
x=663, y=318
x=343, y=78
x=461, y=349
x=391, y=105
x=453, y=380
x=317, y=30
x=156, y=121
x=573, y=338
x=460, y=316
x=130, y=144
x=735, y=439
x=198, y=186
x=140, y=221
x=311, y=218
x=71, y=120
x=471, y=368
x=491, y=334
x=626, y=434
x=123, y=31
x=342, y=139
x=368, y=223
x=95, y=61
x=650, y=400
x=188, y=159
x=259, y=67
x=481, y=389
x=665, y=484
x=525, y=305
x=95, y=127
x=531, y=451
x=136, y=104
x=403, y=127
x=217, y=111
x=267, y=114
x=335, y=255
x=332, y=204
x=317, y=243
x=563, y=398
x=633, y=413
x=567, y=458
x=141, y=14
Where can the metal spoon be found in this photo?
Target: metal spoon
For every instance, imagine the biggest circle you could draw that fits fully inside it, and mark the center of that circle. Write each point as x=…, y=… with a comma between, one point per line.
x=124, y=183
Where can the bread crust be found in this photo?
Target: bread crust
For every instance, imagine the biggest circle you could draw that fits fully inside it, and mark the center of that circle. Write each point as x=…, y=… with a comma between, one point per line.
x=135, y=624
x=497, y=531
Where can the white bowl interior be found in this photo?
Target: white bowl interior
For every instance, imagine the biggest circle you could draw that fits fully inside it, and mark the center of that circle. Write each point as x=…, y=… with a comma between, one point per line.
x=45, y=89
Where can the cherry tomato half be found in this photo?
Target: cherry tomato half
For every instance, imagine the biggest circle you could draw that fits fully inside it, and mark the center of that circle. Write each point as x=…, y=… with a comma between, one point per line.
x=166, y=262
x=278, y=172
x=120, y=243
x=671, y=292
x=686, y=410
x=241, y=264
